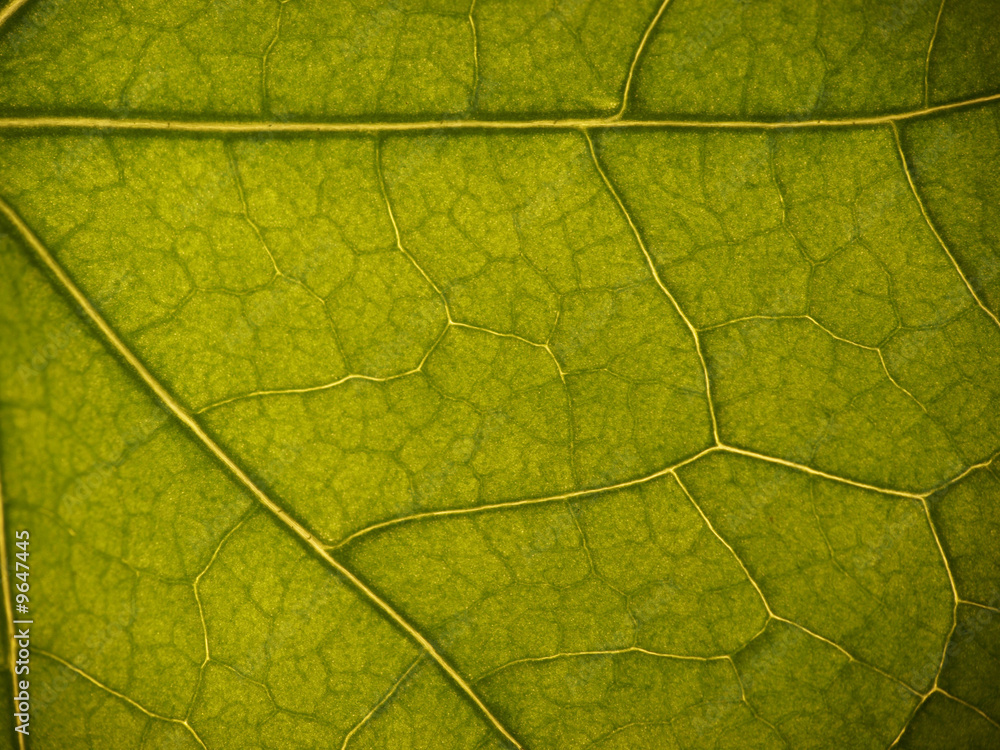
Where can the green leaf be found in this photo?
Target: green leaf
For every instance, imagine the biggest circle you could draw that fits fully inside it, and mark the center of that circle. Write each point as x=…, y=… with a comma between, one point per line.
x=463, y=375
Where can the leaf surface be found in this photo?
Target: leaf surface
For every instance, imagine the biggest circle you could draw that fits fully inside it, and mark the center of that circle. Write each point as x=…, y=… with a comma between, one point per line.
x=507, y=374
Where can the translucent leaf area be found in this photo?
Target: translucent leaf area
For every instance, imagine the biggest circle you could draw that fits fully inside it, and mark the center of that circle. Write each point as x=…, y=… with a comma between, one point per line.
x=540, y=374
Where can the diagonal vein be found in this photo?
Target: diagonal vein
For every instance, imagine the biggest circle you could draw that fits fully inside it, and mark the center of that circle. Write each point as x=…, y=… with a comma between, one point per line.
x=663, y=287
x=934, y=231
x=121, y=696
x=181, y=414
x=8, y=11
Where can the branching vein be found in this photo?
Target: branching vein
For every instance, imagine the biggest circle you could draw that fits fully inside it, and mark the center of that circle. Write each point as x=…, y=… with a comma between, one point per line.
x=178, y=411
x=111, y=691
x=659, y=282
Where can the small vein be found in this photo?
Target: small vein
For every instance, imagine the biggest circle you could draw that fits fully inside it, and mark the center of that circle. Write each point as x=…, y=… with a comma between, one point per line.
x=770, y=613
x=927, y=61
x=208, y=565
x=739, y=560
x=818, y=473
x=954, y=591
x=264, y=105
x=962, y=475
x=516, y=503
x=659, y=281
x=831, y=334
x=385, y=699
x=743, y=697
x=723, y=448
x=238, y=180
x=475, y=56
x=934, y=231
x=305, y=389
x=174, y=407
x=121, y=696
x=599, y=652
x=635, y=58
x=395, y=229
x=979, y=711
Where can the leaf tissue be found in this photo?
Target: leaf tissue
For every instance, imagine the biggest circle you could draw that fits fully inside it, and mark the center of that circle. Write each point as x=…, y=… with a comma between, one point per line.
x=542, y=374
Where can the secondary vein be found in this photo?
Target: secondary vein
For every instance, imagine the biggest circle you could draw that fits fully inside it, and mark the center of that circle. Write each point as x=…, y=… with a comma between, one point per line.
x=249, y=126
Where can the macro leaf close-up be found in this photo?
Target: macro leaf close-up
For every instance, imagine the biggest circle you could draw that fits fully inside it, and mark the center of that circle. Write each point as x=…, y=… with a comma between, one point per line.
x=500, y=374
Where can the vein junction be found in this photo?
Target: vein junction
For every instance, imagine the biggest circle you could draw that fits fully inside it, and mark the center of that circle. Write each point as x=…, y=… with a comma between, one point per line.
x=718, y=446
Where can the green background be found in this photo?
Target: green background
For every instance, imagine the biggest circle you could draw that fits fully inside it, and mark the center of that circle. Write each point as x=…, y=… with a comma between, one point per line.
x=561, y=374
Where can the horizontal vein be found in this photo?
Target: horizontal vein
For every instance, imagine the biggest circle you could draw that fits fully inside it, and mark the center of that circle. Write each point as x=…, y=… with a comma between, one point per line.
x=519, y=503
x=182, y=415
x=245, y=126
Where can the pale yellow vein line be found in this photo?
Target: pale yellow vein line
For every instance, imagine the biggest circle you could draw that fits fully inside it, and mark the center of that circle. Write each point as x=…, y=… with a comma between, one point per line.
x=9, y=10
x=399, y=236
x=962, y=475
x=954, y=590
x=739, y=560
x=635, y=59
x=201, y=609
x=245, y=126
x=188, y=421
x=828, y=332
x=267, y=54
x=392, y=691
x=529, y=342
x=8, y=605
x=208, y=565
x=518, y=503
x=743, y=697
x=968, y=603
x=606, y=652
x=927, y=61
x=979, y=711
x=934, y=231
x=659, y=282
x=849, y=655
x=770, y=613
x=386, y=378
x=306, y=389
x=116, y=694
x=475, y=53
x=906, y=724
x=722, y=448
x=818, y=473
x=238, y=181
